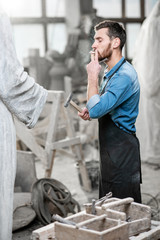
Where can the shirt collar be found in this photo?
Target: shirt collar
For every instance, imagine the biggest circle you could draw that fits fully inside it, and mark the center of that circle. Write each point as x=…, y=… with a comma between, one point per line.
x=109, y=73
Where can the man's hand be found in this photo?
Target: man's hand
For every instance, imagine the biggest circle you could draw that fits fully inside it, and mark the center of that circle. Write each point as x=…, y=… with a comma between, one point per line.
x=93, y=69
x=84, y=114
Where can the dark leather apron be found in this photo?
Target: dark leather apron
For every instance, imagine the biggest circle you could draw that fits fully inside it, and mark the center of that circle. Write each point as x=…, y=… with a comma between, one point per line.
x=120, y=165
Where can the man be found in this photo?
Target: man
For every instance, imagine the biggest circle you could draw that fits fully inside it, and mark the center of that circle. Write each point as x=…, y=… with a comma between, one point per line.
x=115, y=105
x=22, y=97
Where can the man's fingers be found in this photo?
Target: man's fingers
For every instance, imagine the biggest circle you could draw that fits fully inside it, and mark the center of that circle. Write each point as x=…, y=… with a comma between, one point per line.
x=86, y=115
x=84, y=112
x=81, y=114
x=92, y=56
x=96, y=55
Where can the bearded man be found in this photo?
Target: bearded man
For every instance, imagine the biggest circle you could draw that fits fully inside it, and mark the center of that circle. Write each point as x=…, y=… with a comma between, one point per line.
x=115, y=104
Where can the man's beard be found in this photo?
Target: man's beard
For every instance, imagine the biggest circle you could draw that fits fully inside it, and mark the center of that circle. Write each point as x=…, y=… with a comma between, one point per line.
x=107, y=54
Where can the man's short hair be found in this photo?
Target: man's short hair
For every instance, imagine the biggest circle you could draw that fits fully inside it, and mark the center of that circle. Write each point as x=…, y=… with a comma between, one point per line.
x=114, y=30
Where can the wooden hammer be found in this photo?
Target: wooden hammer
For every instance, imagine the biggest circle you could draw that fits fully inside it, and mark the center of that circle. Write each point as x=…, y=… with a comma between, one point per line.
x=70, y=101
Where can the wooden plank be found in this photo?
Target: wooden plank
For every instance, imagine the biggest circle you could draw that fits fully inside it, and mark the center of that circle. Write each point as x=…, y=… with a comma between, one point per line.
x=102, y=229
x=51, y=136
x=153, y=234
x=139, y=215
x=92, y=220
x=28, y=139
x=138, y=226
x=52, y=95
x=44, y=233
x=35, y=20
x=117, y=203
x=48, y=232
x=65, y=143
x=113, y=214
x=86, y=183
x=48, y=171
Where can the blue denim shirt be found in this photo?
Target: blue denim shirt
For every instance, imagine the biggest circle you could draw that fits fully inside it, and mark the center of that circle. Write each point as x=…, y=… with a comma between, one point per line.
x=120, y=99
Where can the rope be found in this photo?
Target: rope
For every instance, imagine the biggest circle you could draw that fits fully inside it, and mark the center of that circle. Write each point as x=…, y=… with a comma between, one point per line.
x=154, y=203
x=49, y=197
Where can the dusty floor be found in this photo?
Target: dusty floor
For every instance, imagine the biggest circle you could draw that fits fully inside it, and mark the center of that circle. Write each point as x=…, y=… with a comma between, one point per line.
x=65, y=171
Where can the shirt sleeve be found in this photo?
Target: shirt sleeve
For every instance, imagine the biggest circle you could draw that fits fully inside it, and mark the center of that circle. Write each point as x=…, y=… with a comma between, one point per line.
x=23, y=97
x=116, y=92
x=93, y=101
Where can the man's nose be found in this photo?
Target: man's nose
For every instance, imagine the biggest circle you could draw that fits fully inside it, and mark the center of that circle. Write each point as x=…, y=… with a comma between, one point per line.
x=94, y=46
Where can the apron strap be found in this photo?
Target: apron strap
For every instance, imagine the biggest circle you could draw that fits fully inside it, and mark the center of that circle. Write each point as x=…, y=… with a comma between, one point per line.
x=124, y=60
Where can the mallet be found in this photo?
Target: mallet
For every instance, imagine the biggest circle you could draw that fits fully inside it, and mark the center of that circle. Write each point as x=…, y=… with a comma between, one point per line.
x=70, y=101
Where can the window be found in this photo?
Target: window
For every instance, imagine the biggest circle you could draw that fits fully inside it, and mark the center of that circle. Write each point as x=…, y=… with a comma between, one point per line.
x=30, y=39
x=23, y=8
x=132, y=9
x=57, y=37
x=37, y=21
x=128, y=12
x=55, y=8
x=108, y=8
x=132, y=30
x=43, y=23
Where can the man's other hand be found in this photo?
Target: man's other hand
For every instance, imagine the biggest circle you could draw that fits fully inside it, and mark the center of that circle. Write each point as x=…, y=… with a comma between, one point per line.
x=84, y=114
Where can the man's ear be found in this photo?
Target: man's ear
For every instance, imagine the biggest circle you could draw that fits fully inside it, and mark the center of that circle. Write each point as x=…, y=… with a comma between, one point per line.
x=116, y=42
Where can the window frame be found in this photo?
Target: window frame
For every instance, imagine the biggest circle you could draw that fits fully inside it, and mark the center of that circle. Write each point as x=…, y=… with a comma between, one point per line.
x=125, y=20
x=44, y=20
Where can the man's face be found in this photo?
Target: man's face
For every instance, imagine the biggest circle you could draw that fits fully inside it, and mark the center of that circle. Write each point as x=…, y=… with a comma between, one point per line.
x=103, y=44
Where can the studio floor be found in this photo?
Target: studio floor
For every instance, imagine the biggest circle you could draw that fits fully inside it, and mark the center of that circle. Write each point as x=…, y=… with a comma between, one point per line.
x=65, y=171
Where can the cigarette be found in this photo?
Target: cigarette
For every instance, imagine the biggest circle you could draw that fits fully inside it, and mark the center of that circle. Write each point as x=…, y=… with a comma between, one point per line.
x=103, y=60
x=92, y=52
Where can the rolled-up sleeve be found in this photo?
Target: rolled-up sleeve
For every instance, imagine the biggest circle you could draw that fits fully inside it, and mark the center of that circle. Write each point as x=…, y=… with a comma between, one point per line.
x=117, y=91
x=93, y=101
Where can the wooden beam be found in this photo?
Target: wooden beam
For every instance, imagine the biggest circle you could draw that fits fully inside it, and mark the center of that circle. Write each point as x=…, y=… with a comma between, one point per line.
x=34, y=20
x=65, y=143
x=142, y=8
x=123, y=8
x=25, y=135
x=46, y=232
x=43, y=3
x=86, y=6
x=124, y=20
